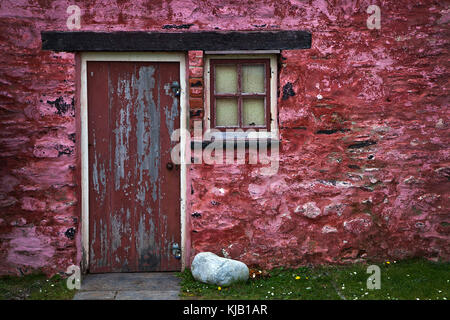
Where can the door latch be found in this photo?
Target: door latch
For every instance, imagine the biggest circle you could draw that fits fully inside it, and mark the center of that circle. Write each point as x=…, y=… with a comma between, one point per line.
x=176, y=251
x=176, y=88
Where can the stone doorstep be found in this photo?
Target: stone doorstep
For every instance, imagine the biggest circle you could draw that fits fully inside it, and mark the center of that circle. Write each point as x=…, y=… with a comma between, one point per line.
x=148, y=295
x=127, y=295
x=95, y=295
x=129, y=286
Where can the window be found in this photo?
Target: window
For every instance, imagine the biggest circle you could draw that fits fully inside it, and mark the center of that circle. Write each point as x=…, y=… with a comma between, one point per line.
x=241, y=94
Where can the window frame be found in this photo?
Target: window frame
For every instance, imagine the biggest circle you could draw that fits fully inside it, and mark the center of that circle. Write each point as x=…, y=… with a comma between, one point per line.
x=272, y=131
x=239, y=95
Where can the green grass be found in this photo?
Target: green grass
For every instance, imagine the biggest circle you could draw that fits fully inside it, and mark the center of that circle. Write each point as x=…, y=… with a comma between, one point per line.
x=402, y=280
x=34, y=287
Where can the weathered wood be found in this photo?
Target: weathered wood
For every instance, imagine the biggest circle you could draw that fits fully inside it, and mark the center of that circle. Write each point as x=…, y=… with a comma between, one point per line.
x=174, y=41
x=134, y=211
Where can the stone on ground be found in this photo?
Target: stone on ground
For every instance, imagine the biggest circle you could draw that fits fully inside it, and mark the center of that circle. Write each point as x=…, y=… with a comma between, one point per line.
x=210, y=268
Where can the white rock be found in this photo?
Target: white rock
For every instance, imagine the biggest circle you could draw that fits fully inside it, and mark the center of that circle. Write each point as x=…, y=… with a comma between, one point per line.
x=357, y=225
x=210, y=268
x=309, y=210
x=440, y=124
x=328, y=229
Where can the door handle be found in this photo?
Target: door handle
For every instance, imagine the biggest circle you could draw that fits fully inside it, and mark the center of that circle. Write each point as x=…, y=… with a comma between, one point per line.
x=176, y=251
x=176, y=88
x=170, y=165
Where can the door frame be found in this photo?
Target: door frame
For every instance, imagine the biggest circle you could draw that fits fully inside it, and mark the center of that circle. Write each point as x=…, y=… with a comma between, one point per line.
x=82, y=125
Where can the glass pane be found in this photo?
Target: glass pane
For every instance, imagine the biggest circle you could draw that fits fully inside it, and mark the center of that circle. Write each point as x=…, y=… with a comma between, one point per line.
x=253, y=78
x=226, y=79
x=253, y=112
x=226, y=112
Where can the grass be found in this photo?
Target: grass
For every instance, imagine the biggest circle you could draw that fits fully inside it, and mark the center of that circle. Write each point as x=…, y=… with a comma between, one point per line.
x=401, y=280
x=34, y=287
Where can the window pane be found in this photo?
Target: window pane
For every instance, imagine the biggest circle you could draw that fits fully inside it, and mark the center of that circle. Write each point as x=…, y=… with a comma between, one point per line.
x=226, y=79
x=226, y=112
x=253, y=112
x=253, y=78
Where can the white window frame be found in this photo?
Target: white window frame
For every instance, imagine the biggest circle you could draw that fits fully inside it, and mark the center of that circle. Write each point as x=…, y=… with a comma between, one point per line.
x=273, y=134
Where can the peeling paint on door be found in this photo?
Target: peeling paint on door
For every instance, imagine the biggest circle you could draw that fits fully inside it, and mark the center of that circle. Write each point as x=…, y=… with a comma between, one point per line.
x=134, y=199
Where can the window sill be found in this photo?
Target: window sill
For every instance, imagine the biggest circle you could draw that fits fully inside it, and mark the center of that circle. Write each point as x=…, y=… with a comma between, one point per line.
x=240, y=134
x=235, y=143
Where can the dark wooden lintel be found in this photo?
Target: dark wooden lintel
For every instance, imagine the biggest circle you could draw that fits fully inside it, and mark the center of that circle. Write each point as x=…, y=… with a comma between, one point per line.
x=174, y=41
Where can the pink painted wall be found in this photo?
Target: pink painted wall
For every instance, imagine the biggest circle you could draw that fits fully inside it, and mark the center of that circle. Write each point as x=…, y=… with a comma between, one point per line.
x=331, y=202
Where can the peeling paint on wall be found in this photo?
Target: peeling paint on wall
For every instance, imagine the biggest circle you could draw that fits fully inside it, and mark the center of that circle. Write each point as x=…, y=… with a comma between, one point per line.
x=363, y=126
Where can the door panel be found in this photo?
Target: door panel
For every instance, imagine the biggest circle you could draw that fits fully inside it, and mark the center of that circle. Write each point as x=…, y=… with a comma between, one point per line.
x=134, y=213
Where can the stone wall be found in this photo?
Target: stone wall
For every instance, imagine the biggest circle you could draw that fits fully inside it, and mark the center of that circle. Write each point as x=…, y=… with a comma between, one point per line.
x=363, y=115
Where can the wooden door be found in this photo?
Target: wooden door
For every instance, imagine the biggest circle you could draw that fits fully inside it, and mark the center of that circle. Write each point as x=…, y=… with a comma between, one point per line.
x=134, y=207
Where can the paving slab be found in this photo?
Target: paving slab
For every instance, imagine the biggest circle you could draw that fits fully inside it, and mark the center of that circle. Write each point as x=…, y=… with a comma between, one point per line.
x=147, y=295
x=129, y=286
x=95, y=295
